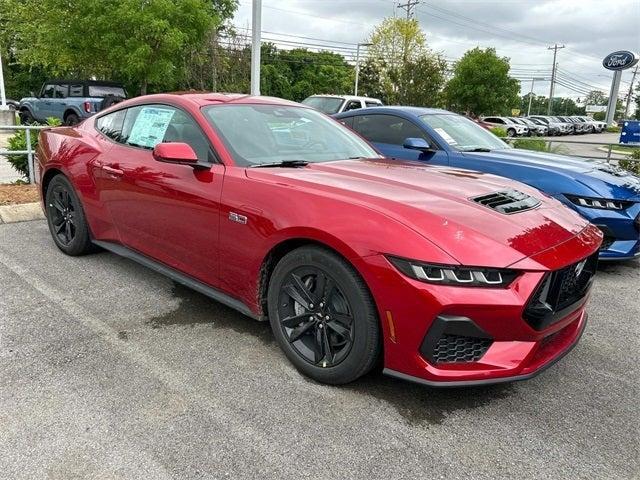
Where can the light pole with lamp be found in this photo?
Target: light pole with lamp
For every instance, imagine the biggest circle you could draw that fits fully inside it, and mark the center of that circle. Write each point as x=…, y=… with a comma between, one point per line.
x=533, y=81
x=355, y=90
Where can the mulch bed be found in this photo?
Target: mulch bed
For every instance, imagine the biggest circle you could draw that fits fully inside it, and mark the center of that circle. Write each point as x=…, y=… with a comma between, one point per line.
x=14, y=194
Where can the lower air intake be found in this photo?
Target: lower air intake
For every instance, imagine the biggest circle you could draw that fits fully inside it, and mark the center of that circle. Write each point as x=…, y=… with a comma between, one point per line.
x=457, y=348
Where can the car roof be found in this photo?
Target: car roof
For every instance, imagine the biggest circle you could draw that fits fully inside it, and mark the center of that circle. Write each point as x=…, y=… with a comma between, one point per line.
x=85, y=82
x=346, y=97
x=414, y=111
x=209, y=98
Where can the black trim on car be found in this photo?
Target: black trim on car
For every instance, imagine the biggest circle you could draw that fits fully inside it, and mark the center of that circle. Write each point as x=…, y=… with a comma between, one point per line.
x=452, y=326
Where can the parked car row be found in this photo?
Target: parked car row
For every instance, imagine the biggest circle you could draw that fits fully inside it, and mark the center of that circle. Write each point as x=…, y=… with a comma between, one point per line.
x=391, y=242
x=545, y=125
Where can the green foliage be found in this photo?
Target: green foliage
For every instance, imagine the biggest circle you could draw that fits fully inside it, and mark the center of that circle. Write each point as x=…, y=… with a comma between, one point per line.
x=531, y=144
x=630, y=165
x=481, y=84
x=613, y=129
x=599, y=116
x=137, y=42
x=498, y=132
x=18, y=141
x=596, y=97
x=540, y=105
x=400, y=68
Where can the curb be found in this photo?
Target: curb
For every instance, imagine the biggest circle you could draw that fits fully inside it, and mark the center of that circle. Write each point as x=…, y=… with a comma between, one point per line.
x=23, y=212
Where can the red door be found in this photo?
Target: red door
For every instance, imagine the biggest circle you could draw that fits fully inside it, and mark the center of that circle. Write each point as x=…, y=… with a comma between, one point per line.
x=169, y=212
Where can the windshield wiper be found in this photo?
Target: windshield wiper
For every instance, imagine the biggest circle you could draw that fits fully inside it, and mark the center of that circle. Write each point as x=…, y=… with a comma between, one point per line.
x=478, y=149
x=284, y=164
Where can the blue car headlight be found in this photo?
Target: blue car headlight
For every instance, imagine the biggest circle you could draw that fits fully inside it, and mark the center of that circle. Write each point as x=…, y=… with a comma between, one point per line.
x=455, y=275
x=599, y=203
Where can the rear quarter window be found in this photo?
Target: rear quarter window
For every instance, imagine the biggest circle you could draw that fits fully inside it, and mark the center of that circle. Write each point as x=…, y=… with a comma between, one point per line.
x=111, y=125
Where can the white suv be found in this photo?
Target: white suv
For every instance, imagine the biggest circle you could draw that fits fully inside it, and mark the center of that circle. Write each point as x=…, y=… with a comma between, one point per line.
x=331, y=104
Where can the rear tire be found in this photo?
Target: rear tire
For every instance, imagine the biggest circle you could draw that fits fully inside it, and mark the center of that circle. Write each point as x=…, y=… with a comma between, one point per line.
x=323, y=316
x=71, y=119
x=66, y=219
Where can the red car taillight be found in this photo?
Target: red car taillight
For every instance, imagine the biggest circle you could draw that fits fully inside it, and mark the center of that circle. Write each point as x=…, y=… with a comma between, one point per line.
x=87, y=107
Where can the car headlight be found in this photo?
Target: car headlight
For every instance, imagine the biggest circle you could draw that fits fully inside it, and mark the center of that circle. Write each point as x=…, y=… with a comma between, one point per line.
x=455, y=275
x=600, y=203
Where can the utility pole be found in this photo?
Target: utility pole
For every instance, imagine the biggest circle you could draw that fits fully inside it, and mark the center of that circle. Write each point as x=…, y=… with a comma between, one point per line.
x=555, y=49
x=626, y=108
x=3, y=97
x=408, y=7
x=256, y=27
x=355, y=90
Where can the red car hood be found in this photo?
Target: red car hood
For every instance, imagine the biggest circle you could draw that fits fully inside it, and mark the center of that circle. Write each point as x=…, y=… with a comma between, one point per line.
x=435, y=202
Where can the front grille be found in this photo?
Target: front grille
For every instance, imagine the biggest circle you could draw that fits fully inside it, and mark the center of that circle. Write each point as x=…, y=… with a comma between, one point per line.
x=559, y=291
x=457, y=348
x=508, y=201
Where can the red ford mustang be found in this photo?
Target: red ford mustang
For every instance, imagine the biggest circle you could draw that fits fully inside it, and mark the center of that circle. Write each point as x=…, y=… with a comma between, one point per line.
x=446, y=277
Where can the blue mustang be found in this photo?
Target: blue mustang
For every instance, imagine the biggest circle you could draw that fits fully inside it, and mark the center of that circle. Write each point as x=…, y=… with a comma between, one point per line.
x=607, y=196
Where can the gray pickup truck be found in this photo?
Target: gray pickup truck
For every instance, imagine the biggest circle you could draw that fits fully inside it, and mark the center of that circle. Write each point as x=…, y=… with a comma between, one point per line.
x=71, y=101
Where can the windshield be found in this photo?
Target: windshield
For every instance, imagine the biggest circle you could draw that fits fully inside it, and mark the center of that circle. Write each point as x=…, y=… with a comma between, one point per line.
x=461, y=133
x=104, y=90
x=262, y=134
x=328, y=105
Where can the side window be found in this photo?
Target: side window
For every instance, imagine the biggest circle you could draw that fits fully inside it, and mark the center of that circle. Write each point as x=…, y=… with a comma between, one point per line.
x=61, y=91
x=353, y=105
x=111, y=125
x=386, y=129
x=76, y=90
x=348, y=122
x=370, y=103
x=47, y=91
x=148, y=125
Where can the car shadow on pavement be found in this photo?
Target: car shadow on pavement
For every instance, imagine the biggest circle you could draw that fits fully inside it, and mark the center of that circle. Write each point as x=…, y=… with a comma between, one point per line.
x=422, y=405
x=195, y=309
x=618, y=268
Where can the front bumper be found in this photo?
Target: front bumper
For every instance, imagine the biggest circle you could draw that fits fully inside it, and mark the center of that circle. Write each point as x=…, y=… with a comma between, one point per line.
x=483, y=330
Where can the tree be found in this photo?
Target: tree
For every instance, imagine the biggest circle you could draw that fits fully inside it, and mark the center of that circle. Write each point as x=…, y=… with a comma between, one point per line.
x=637, y=100
x=595, y=97
x=481, y=84
x=140, y=42
x=401, y=68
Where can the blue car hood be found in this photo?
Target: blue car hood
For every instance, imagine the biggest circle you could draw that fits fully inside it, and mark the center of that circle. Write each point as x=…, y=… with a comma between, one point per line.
x=603, y=179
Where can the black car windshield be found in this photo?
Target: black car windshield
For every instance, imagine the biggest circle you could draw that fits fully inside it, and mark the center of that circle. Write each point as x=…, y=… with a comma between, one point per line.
x=268, y=134
x=328, y=105
x=461, y=133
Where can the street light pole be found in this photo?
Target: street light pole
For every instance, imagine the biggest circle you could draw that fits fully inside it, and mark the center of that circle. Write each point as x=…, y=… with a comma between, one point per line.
x=355, y=90
x=256, y=27
x=533, y=81
x=555, y=49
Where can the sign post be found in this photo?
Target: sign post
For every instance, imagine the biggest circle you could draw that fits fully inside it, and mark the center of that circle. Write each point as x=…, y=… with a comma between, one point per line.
x=617, y=61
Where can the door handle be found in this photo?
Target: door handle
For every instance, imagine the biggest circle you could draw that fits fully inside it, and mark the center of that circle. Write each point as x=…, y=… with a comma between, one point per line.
x=116, y=172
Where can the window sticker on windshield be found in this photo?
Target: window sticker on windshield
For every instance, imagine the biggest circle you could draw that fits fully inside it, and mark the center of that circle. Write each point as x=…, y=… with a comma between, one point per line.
x=150, y=126
x=447, y=138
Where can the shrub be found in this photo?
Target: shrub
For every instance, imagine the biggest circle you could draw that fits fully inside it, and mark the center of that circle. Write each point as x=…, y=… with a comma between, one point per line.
x=612, y=129
x=498, y=132
x=630, y=165
x=599, y=116
x=18, y=141
x=531, y=144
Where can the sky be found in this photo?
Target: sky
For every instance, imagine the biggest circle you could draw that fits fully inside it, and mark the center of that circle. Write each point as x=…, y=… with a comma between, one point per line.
x=519, y=29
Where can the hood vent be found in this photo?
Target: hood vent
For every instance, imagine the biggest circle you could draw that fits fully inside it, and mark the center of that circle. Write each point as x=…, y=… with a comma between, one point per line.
x=508, y=201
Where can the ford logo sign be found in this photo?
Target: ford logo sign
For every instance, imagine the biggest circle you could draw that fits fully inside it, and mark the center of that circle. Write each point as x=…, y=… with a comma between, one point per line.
x=620, y=60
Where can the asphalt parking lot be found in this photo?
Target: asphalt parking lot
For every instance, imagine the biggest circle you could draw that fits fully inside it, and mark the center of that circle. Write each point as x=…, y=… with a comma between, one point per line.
x=108, y=370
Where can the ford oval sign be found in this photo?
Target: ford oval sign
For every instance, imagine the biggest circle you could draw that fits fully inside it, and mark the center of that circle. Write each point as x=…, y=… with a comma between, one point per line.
x=620, y=60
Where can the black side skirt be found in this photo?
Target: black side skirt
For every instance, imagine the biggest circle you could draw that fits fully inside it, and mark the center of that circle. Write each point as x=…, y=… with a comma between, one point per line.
x=179, y=277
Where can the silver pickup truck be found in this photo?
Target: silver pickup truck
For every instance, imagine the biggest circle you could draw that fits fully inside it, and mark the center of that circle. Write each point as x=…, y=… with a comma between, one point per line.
x=71, y=101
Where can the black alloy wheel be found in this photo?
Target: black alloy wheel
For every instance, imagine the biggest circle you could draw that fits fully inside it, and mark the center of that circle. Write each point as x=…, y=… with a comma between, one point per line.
x=323, y=316
x=315, y=317
x=66, y=218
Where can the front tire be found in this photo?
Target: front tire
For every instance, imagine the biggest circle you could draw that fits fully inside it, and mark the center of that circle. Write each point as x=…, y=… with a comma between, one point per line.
x=26, y=118
x=511, y=133
x=323, y=316
x=66, y=219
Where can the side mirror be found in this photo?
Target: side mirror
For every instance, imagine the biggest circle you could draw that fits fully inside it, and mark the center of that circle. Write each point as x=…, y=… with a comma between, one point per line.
x=175, y=153
x=418, y=144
